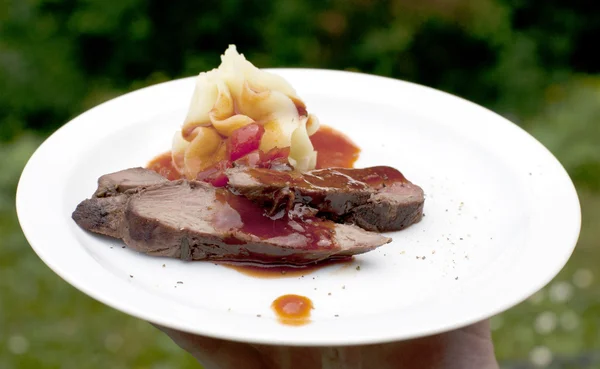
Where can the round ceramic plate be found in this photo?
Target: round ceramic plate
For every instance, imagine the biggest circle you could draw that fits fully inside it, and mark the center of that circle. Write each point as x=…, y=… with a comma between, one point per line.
x=501, y=218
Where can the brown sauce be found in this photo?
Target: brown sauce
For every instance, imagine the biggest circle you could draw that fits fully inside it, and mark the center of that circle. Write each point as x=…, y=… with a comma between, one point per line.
x=163, y=165
x=334, y=149
x=284, y=271
x=317, y=188
x=293, y=309
x=344, y=178
x=375, y=177
x=251, y=219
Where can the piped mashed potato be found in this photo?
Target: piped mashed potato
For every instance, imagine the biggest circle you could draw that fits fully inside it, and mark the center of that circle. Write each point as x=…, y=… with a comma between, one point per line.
x=232, y=96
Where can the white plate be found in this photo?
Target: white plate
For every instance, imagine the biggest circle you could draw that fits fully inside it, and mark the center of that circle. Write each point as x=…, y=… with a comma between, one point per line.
x=502, y=218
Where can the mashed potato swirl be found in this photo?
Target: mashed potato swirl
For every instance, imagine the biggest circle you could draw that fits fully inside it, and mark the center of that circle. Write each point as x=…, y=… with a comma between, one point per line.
x=232, y=96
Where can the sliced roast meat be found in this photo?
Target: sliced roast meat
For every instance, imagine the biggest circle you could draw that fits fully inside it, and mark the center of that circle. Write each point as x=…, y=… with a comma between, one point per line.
x=376, y=198
x=391, y=208
x=103, y=215
x=123, y=180
x=193, y=220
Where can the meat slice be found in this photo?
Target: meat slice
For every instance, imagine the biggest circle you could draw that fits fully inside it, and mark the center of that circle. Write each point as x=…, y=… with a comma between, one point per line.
x=103, y=215
x=121, y=181
x=376, y=198
x=193, y=220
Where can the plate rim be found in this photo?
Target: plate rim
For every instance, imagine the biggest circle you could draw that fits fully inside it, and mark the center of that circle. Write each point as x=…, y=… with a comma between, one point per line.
x=27, y=230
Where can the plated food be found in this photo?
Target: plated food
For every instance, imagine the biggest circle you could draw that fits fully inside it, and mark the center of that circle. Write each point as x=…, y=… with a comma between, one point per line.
x=471, y=257
x=244, y=182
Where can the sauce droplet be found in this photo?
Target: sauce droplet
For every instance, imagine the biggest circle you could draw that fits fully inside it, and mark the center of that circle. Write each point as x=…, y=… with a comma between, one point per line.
x=293, y=309
x=163, y=165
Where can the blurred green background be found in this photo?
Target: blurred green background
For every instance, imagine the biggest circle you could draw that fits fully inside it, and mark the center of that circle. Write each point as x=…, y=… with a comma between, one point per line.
x=535, y=62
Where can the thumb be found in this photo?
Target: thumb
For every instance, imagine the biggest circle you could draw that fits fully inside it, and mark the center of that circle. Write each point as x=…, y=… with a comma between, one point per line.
x=215, y=353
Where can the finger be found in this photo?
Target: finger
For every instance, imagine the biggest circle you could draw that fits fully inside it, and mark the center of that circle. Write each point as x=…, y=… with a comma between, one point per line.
x=480, y=330
x=285, y=357
x=282, y=357
x=214, y=353
x=466, y=348
x=341, y=358
x=474, y=342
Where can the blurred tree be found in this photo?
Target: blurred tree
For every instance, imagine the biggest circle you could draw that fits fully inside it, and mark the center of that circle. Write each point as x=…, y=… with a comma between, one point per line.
x=58, y=58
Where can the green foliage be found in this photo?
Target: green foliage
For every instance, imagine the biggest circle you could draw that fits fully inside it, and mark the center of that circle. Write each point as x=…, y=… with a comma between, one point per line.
x=533, y=62
x=58, y=58
x=570, y=127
